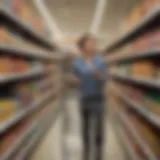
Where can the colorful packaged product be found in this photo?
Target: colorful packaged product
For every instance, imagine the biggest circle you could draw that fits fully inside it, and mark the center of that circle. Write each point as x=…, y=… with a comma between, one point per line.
x=153, y=102
x=23, y=94
x=7, y=108
x=143, y=69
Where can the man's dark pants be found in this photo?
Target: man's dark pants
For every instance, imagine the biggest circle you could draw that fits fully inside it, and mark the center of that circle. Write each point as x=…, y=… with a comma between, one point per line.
x=92, y=108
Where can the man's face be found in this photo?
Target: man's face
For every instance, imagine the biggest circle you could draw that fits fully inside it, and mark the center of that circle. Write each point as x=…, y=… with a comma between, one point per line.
x=90, y=46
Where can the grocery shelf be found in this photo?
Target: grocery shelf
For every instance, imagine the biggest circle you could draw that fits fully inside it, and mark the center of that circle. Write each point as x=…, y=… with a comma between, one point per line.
x=5, y=78
x=126, y=142
x=149, y=21
x=151, y=117
x=122, y=136
x=39, y=53
x=150, y=53
x=7, y=155
x=26, y=149
x=139, y=81
x=13, y=120
x=23, y=153
x=28, y=53
x=144, y=146
x=14, y=22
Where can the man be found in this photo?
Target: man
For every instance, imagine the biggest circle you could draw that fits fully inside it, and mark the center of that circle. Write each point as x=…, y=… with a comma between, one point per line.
x=90, y=72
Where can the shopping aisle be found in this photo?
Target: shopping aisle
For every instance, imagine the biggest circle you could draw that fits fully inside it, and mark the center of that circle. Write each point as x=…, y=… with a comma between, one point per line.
x=50, y=148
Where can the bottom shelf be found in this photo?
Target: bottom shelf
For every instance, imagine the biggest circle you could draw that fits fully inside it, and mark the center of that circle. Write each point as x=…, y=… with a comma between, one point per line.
x=23, y=136
x=132, y=153
x=37, y=137
x=122, y=135
x=147, y=150
x=24, y=151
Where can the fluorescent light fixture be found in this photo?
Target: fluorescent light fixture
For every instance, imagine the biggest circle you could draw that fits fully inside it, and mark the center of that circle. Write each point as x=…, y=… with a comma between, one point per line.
x=98, y=16
x=50, y=20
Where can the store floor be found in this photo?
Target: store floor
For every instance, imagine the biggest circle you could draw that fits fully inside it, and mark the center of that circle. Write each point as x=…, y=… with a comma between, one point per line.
x=54, y=145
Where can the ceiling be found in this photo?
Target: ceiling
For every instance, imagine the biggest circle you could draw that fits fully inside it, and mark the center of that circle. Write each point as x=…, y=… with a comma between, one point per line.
x=74, y=17
x=115, y=13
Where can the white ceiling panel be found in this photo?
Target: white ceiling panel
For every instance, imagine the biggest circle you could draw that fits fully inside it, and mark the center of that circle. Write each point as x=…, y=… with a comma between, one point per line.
x=75, y=16
x=116, y=11
x=72, y=16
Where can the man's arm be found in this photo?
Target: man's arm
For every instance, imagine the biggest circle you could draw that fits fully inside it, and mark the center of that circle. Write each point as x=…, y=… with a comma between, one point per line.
x=101, y=74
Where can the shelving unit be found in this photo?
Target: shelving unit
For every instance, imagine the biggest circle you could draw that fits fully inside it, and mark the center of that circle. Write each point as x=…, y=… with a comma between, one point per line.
x=24, y=113
x=21, y=153
x=125, y=140
x=37, y=137
x=148, y=22
x=30, y=145
x=7, y=18
x=18, y=143
x=134, y=88
x=151, y=53
x=138, y=138
x=137, y=81
x=128, y=145
x=151, y=117
x=31, y=86
x=32, y=54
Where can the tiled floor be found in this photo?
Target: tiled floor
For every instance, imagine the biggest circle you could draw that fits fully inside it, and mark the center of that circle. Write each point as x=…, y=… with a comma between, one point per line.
x=51, y=148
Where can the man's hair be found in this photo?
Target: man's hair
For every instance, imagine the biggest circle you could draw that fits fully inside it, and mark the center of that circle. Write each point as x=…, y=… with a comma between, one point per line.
x=81, y=42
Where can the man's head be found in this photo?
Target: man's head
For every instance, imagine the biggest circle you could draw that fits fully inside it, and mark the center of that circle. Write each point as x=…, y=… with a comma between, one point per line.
x=87, y=44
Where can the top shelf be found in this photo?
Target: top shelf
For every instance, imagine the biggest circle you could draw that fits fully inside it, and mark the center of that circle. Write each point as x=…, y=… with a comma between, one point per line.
x=7, y=18
x=149, y=21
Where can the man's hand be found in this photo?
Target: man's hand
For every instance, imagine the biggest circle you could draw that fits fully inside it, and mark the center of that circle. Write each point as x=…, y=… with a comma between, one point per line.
x=97, y=75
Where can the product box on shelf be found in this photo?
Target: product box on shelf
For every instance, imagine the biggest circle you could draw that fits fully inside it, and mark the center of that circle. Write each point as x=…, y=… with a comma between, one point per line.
x=153, y=102
x=23, y=94
x=7, y=108
x=142, y=69
x=139, y=69
x=140, y=44
x=17, y=6
x=19, y=65
x=27, y=16
x=124, y=69
x=5, y=64
x=153, y=38
x=134, y=17
x=147, y=41
x=4, y=36
x=147, y=5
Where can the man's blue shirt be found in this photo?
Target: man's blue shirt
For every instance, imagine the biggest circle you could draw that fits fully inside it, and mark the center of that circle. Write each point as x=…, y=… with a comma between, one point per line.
x=89, y=86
